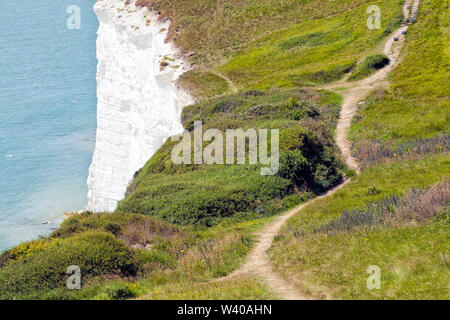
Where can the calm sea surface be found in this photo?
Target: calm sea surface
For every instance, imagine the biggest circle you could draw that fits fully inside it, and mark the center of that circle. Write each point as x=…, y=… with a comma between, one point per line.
x=47, y=114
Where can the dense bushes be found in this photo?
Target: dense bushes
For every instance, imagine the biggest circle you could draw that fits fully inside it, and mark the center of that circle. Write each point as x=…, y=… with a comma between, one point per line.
x=26, y=249
x=96, y=254
x=222, y=191
x=307, y=162
x=309, y=175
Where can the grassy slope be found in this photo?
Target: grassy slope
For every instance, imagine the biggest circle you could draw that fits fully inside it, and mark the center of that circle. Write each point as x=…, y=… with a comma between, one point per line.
x=418, y=102
x=413, y=258
x=242, y=289
x=114, y=265
x=216, y=29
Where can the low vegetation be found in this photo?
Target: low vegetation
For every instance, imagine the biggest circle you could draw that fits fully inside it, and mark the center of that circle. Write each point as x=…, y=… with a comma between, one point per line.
x=236, y=23
x=370, y=65
x=416, y=106
x=395, y=214
x=181, y=226
x=309, y=53
x=417, y=205
x=240, y=289
x=205, y=84
x=191, y=194
x=327, y=255
x=374, y=152
x=266, y=44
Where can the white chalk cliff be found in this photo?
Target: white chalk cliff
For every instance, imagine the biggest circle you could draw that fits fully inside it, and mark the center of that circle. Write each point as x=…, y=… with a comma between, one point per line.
x=139, y=104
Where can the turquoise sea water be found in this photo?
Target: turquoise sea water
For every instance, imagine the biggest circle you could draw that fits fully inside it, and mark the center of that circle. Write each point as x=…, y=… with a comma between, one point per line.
x=47, y=114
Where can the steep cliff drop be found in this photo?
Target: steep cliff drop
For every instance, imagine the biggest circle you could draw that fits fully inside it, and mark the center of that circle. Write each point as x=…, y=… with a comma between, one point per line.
x=139, y=104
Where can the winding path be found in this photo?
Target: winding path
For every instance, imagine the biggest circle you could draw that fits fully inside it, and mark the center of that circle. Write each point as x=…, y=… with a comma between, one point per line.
x=233, y=88
x=258, y=263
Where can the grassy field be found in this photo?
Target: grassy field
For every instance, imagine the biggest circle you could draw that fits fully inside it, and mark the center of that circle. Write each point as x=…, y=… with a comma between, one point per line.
x=241, y=289
x=413, y=261
x=412, y=257
x=313, y=52
x=417, y=104
x=265, y=44
x=216, y=29
x=204, y=194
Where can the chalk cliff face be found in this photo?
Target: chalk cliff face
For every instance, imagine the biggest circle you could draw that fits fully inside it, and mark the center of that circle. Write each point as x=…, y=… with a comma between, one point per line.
x=139, y=105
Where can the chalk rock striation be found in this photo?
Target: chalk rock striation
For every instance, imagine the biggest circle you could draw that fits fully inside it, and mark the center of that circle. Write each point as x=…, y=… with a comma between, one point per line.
x=139, y=104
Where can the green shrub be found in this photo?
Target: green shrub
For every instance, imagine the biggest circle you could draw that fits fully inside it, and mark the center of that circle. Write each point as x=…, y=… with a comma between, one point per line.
x=294, y=166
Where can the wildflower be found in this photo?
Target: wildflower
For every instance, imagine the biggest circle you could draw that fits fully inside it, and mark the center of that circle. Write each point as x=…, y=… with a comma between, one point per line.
x=395, y=154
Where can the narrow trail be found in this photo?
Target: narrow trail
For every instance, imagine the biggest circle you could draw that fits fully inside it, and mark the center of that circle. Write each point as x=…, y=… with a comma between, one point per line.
x=258, y=262
x=230, y=83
